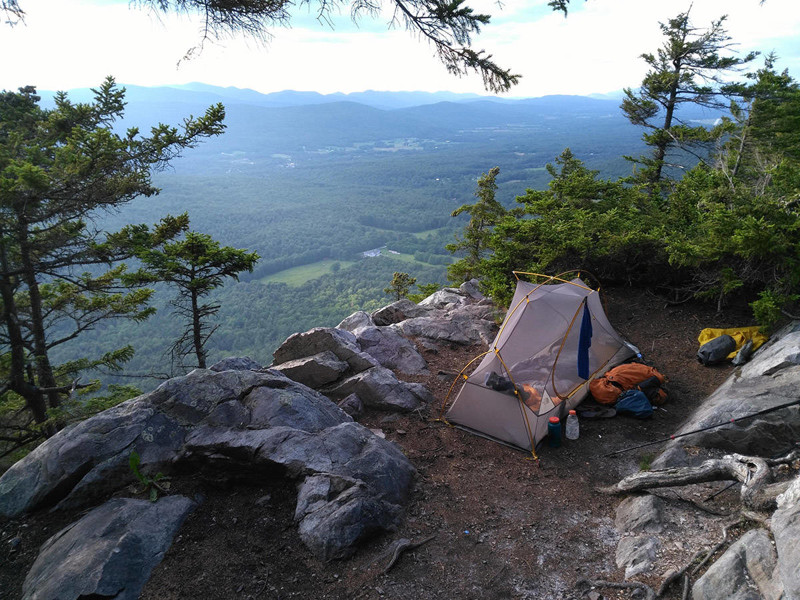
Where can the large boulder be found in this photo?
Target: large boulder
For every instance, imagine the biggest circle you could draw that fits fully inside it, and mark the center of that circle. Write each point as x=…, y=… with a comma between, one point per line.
x=744, y=572
x=398, y=311
x=786, y=531
x=356, y=321
x=334, y=513
x=391, y=350
x=378, y=388
x=445, y=297
x=108, y=553
x=455, y=327
x=320, y=339
x=314, y=371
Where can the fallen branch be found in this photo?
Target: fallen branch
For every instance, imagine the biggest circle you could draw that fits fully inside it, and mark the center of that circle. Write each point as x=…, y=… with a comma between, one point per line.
x=403, y=545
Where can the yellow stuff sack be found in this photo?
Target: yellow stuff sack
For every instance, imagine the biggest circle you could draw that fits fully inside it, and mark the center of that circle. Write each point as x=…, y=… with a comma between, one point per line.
x=740, y=335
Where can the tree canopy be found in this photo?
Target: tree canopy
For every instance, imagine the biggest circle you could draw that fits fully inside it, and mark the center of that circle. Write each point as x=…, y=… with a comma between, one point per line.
x=60, y=169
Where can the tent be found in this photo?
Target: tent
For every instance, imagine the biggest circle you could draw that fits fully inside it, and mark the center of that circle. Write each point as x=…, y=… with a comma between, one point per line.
x=554, y=340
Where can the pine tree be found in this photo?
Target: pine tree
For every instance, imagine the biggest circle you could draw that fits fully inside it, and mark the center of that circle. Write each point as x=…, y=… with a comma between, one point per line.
x=687, y=69
x=484, y=214
x=196, y=265
x=59, y=169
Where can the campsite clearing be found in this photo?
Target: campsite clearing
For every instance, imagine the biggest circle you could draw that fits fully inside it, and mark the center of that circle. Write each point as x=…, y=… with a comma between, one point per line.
x=505, y=526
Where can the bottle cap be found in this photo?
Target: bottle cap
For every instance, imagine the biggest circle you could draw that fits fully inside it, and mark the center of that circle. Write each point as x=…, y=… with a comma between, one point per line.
x=572, y=412
x=554, y=420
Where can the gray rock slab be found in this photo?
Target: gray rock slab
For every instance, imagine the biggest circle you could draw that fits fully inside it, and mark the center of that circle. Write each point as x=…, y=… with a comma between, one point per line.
x=349, y=450
x=109, y=553
x=743, y=572
x=378, y=388
x=398, y=311
x=739, y=397
x=781, y=352
x=640, y=514
x=786, y=531
x=637, y=554
x=459, y=329
x=335, y=513
x=342, y=343
x=391, y=350
x=356, y=321
x=444, y=297
x=314, y=371
x=471, y=288
x=241, y=363
x=85, y=461
x=297, y=406
x=352, y=405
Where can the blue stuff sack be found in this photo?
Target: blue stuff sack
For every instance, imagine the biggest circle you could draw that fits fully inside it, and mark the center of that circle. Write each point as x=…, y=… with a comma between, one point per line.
x=635, y=404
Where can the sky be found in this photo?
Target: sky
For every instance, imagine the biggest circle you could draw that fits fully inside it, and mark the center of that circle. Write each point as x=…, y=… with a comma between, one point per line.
x=65, y=44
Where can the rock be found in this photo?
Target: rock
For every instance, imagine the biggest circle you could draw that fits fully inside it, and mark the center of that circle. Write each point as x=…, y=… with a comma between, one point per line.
x=640, y=514
x=398, y=311
x=244, y=363
x=109, y=553
x=391, y=350
x=744, y=572
x=444, y=297
x=786, y=531
x=637, y=554
x=297, y=407
x=781, y=352
x=337, y=512
x=342, y=343
x=377, y=388
x=471, y=288
x=458, y=328
x=348, y=449
x=356, y=321
x=314, y=371
x=352, y=405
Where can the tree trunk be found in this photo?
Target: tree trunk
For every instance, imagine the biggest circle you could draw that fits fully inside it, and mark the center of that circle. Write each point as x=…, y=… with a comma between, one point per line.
x=197, y=333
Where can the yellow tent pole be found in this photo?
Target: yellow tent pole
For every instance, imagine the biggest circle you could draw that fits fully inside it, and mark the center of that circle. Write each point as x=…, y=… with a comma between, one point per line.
x=461, y=374
x=521, y=404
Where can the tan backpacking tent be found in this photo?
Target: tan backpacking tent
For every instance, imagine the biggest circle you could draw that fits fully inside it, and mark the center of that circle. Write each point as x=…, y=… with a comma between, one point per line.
x=553, y=341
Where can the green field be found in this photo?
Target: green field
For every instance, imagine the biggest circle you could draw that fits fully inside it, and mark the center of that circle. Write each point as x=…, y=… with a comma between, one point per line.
x=299, y=275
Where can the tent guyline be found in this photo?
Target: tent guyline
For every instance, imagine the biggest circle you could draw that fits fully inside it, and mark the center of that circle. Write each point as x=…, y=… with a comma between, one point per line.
x=700, y=430
x=554, y=339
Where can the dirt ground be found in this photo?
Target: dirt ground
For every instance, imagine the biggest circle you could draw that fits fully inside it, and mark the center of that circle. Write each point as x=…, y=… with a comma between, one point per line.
x=502, y=525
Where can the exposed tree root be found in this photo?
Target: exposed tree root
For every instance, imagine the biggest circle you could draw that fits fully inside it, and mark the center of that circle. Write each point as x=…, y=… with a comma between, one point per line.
x=758, y=493
x=400, y=546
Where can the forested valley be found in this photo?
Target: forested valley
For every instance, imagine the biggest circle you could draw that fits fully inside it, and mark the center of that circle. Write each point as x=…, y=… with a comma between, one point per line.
x=312, y=187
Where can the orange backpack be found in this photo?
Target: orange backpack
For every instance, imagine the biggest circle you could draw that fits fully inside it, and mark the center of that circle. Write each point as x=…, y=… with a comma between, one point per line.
x=606, y=389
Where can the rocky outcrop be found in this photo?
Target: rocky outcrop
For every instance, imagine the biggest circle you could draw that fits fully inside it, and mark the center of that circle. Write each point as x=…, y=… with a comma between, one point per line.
x=391, y=350
x=762, y=563
x=743, y=572
x=109, y=553
x=230, y=421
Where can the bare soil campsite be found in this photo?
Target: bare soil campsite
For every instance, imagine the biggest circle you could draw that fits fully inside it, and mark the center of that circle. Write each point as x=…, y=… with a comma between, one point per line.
x=489, y=521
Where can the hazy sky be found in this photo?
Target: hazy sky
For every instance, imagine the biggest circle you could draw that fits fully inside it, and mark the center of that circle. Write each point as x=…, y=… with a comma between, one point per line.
x=65, y=44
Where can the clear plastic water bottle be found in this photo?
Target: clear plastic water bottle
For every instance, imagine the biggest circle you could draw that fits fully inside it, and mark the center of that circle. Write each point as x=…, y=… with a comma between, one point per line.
x=573, y=427
x=635, y=350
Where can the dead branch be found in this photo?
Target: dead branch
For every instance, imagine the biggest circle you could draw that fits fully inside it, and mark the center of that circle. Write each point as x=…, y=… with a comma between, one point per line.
x=617, y=585
x=403, y=545
x=753, y=472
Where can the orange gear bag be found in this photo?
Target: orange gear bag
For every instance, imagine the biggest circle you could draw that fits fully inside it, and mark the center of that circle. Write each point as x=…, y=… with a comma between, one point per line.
x=606, y=389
